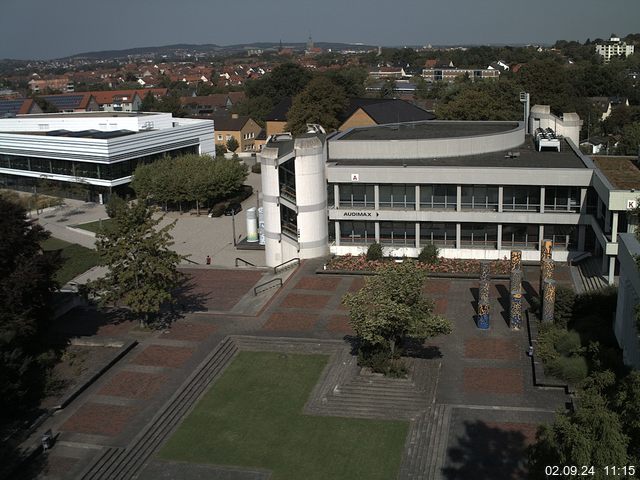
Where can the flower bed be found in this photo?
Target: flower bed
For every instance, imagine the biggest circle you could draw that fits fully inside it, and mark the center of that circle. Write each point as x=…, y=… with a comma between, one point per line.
x=445, y=265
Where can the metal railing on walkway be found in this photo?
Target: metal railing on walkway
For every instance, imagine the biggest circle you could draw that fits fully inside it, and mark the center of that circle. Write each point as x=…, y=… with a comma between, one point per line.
x=287, y=264
x=274, y=282
x=238, y=259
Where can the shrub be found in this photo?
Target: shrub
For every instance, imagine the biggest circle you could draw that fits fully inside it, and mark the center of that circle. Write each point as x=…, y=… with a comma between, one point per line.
x=241, y=195
x=429, y=254
x=114, y=205
x=218, y=209
x=256, y=168
x=379, y=360
x=374, y=252
x=563, y=310
x=548, y=335
x=568, y=343
x=571, y=369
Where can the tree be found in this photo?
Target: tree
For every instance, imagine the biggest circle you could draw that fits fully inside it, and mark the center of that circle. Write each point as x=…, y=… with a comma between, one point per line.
x=320, y=102
x=232, y=144
x=481, y=100
x=388, y=88
x=220, y=150
x=26, y=288
x=591, y=435
x=630, y=144
x=390, y=307
x=142, y=270
x=115, y=204
x=149, y=103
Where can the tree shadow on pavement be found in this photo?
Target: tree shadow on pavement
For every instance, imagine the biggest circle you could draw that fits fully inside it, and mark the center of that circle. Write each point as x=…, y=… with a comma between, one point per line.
x=486, y=453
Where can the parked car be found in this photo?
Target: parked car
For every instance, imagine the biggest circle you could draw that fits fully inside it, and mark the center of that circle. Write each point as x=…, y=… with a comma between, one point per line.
x=233, y=209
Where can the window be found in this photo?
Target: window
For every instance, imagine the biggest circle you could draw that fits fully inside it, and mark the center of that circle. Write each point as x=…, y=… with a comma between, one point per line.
x=562, y=236
x=479, y=197
x=521, y=198
x=398, y=196
x=287, y=177
x=360, y=233
x=229, y=137
x=289, y=222
x=356, y=195
x=562, y=199
x=479, y=235
x=438, y=196
x=441, y=234
x=219, y=137
x=398, y=233
x=520, y=236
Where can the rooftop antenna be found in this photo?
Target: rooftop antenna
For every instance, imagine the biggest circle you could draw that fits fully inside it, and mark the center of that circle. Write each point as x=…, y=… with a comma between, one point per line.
x=524, y=98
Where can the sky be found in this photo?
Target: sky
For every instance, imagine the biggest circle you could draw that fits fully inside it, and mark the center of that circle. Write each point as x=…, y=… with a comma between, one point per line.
x=39, y=29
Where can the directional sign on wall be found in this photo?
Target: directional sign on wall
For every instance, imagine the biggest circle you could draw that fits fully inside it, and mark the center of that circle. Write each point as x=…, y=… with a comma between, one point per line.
x=355, y=177
x=631, y=204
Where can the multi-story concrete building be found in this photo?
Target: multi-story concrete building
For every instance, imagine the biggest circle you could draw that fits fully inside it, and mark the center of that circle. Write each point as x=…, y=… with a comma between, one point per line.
x=450, y=73
x=97, y=152
x=614, y=47
x=474, y=189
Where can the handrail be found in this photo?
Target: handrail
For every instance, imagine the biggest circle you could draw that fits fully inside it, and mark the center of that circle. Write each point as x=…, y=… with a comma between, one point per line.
x=191, y=261
x=296, y=260
x=238, y=259
x=279, y=280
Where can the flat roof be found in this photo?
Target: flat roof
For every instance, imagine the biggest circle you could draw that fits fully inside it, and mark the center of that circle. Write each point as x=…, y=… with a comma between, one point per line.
x=97, y=134
x=88, y=114
x=428, y=130
x=526, y=156
x=622, y=172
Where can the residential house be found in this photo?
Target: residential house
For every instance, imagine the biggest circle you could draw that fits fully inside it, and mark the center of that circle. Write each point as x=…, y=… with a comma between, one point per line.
x=607, y=104
x=211, y=104
x=73, y=102
x=242, y=128
x=62, y=84
x=18, y=106
x=614, y=47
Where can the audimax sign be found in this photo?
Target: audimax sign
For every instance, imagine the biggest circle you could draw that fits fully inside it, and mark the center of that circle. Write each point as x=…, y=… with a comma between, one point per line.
x=359, y=214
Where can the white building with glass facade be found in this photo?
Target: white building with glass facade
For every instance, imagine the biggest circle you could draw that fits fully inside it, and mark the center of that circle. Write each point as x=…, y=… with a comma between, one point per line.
x=474, y=189
x=96, y=151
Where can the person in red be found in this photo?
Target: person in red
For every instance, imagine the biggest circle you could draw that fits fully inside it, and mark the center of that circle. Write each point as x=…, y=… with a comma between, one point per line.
x=208, y=260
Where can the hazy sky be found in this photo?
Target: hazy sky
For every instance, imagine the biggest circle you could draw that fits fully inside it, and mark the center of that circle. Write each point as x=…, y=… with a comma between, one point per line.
x=49, y=29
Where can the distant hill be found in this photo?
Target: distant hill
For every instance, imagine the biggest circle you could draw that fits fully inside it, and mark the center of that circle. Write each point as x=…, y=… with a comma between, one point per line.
x=210, y=49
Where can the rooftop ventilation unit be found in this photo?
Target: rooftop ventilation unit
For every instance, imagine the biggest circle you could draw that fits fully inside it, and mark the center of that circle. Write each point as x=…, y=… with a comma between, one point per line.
x=315, y=128
x=546, y=138
x=279, y=137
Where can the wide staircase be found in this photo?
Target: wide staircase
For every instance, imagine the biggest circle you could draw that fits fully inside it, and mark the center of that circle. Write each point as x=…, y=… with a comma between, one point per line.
x=590, y=276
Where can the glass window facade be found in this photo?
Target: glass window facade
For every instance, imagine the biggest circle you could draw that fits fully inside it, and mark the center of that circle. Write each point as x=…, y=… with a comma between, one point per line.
x=102, y=171
x=562, y=199
x=289, y=222
x=358, y=233
x=479, y=235
x=520, y=236
x=402, y=234
x=355, y=195
x=521, y=198
x=564, y=237
x=438, y=196
x=479, y=197
x=398, y=196
x=441, y=234
x=287, y=179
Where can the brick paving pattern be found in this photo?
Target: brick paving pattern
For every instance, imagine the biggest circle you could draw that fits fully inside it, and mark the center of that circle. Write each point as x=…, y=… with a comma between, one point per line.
x=491, y=348
x=356, y=284
x=318, y=283
x=221, y=289
x=133, y=385
x=190, y=331
x=163, y=356
x=528, y=430
x=437, y=287
x=99, y=419
x=297, y=300
x=293, y=322
x=500, y=381
x=339, y=324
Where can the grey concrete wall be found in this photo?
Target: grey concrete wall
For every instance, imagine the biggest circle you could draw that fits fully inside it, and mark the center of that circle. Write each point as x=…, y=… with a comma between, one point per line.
x=628, y=298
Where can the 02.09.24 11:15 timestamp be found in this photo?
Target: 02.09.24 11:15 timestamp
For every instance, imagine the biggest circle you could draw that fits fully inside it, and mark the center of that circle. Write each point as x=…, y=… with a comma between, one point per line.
x=574, y=471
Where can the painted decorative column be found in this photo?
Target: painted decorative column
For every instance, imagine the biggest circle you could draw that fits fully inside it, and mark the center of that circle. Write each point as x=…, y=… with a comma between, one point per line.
x=516, y=280
x=545, y=253
x=516, y=260
x=549, y=300
x=547, y=266
x=483, y=295
x=515, y=310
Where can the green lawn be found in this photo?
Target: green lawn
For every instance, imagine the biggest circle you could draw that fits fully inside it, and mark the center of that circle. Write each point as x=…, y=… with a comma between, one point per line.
x=252, y=417
x=76, y=259
x=95, y=226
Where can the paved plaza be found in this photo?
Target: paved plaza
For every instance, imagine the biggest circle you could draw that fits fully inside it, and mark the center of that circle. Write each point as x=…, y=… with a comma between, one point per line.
x=469, y=397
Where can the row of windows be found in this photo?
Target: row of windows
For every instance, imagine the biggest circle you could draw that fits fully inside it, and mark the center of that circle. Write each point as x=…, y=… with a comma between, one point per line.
x=110, y=171
x=444, y=234
x=473, y=197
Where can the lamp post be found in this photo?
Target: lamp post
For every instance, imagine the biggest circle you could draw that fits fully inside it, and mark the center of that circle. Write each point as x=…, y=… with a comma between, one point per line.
x=233, y=226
